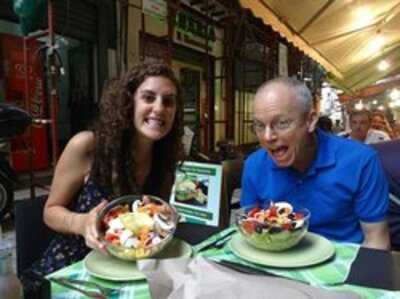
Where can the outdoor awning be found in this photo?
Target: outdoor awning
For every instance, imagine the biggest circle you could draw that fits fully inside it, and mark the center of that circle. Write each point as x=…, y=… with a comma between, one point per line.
x=349, y=38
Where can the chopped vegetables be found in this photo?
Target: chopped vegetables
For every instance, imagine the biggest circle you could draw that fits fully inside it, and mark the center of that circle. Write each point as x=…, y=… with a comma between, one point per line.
x=279, y=216
x=276, y=228
x=144, y=224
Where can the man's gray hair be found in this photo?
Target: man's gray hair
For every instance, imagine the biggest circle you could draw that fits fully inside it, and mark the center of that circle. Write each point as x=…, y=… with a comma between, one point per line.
x=301, y=91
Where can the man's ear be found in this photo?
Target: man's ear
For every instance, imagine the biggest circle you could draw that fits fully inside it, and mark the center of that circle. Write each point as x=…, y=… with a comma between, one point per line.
x=312, y=120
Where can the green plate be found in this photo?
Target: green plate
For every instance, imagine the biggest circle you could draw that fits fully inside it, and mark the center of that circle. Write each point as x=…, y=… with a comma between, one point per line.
x=313, y=249
x=111, y=268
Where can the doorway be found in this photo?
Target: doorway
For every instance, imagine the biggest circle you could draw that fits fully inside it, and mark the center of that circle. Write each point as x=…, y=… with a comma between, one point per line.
x=194, y=99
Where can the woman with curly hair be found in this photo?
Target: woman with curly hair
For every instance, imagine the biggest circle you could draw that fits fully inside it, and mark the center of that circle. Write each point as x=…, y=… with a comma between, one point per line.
x=133, y=148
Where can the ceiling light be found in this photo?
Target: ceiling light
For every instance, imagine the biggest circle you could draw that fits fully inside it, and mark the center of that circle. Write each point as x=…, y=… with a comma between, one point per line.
x=363, y=16
x=395, y=94
x=383, y=65
x=381, y=107
x=359, y=106
x=376, y=44
x=375, y=102
x=392, y=104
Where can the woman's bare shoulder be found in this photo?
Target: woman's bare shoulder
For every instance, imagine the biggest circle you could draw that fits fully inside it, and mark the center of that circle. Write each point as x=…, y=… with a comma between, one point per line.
x=83, y=142
x=78, y=153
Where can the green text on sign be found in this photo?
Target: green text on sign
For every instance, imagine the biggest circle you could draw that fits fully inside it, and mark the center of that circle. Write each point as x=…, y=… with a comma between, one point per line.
x=196, y=213
x=199, y=170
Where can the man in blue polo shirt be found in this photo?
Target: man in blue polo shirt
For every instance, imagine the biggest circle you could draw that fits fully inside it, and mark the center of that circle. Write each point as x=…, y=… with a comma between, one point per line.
x=340, y=181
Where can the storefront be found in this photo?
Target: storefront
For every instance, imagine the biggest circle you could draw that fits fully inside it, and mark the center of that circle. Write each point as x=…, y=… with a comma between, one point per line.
x=190, y=43
x=82, y=66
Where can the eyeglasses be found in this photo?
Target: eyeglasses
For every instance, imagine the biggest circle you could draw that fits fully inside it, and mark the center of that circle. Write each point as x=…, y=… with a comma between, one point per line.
x=278, y=126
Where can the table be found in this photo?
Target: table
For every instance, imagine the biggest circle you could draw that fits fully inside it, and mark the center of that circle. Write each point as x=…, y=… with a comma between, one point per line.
x=373, y=274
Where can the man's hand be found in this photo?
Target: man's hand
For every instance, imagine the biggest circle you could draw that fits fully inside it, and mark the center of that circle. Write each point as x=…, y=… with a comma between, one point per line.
x=376, y=235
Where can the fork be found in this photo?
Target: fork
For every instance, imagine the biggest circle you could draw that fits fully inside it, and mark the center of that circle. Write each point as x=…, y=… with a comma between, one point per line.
x=104, y=292
x=219, y=243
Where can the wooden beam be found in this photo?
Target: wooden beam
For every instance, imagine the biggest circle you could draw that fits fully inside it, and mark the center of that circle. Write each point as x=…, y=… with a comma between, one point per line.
x=291, y=34
x=378, y=25
x=369, y=72
x=333, y=37
x=316, y=16
x=388, y=50
x=370, y=91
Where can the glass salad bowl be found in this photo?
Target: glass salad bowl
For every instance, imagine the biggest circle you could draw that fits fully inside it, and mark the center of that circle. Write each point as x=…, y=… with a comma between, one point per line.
x=136, y=226
x=276, y=228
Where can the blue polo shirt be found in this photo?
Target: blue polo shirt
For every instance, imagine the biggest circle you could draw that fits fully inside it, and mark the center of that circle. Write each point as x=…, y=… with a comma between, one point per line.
x=344, y=185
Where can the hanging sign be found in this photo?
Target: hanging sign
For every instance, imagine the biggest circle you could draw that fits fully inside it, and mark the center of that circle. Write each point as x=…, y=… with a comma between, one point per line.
x=155, y=8
x=197, y=192
x=194, y=32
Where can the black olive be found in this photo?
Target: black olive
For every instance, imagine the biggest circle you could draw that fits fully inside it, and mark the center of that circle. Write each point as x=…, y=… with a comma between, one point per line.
x=265, y=226
x=275, y=230
x=259, y=229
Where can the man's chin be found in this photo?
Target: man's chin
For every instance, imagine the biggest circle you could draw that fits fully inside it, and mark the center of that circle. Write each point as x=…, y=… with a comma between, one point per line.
x=282, y=163
x=359, y=137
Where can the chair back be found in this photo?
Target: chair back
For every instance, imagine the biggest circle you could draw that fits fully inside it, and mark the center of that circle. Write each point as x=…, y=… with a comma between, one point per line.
x=32, y=235
x=232, y=177
x=390, y=157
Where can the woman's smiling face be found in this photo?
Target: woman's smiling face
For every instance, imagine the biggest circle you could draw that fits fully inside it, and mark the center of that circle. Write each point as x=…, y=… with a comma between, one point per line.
x=155, y=108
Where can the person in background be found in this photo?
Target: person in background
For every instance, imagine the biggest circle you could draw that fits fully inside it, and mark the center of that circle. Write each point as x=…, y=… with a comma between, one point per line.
x=396, y=130
x=132, y=149
x=340, y=181
x=360, y=125
x=380, y=122
x=325, y=124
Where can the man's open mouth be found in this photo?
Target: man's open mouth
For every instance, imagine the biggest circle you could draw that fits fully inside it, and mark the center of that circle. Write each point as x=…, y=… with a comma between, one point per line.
x=279, y=152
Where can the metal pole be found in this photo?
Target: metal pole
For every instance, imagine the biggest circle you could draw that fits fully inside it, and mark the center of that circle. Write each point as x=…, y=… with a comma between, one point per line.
x=27, y=107
x=53, y=84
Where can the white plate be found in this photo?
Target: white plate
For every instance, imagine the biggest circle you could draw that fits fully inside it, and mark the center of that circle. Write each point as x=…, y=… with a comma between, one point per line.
x=112, y=268
x=313, y=249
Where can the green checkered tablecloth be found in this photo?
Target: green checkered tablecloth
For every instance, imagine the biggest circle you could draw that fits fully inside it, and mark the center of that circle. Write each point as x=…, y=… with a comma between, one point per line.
x=329, y=275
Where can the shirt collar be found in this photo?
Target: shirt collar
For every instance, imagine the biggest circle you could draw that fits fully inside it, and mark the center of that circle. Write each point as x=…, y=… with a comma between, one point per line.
x=325, y=152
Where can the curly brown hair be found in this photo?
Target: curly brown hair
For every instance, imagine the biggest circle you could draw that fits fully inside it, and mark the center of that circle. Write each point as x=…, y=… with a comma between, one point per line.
x=114, y=132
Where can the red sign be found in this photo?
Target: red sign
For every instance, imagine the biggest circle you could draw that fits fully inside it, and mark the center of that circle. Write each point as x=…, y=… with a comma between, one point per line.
x=14, y=75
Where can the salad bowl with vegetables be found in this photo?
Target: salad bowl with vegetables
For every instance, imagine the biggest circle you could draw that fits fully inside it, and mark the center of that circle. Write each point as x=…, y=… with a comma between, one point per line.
x=276, y=228
x=136, y=226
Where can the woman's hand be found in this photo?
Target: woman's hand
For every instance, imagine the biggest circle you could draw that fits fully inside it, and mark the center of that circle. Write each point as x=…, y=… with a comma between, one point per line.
x=89, y=231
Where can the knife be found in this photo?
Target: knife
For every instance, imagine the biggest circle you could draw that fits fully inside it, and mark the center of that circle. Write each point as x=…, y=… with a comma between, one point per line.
x=243, y=268
x=250, y=270
x=65, y=283
x=219, y=242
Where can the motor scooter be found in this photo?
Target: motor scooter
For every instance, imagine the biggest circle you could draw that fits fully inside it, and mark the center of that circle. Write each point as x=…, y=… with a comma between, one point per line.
x=13, y=122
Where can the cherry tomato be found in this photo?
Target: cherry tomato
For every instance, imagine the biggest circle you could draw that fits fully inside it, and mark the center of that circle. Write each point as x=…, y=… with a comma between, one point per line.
x=248, y=226
x=253, y=211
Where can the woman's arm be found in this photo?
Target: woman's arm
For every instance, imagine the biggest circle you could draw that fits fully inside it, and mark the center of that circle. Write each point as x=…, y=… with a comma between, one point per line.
x=72, y=168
